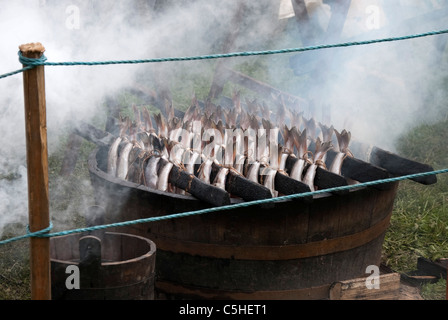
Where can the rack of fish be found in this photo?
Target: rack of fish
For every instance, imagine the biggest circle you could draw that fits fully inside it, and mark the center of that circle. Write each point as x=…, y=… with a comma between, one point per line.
x=246, y=151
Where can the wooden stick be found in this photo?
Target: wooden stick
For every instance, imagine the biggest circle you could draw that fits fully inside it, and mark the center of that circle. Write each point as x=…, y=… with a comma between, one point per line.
x=359, y=170
x=399, y=166
x=324, y=179
x=394, y=164
x=196, y=187
x=242, y=187
x=37, y=163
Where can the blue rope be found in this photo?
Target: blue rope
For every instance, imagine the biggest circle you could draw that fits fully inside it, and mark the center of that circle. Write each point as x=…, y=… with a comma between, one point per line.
x=29, y=64
x=42, y=61
x=32, y=62
x=29, y=234
x=45, y=234
x=15, y=72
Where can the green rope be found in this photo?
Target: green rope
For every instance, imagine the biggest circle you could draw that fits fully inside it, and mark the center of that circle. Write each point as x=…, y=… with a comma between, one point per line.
x=29, y=234
x=42, y=61
x=45, y=233
x=29, y=64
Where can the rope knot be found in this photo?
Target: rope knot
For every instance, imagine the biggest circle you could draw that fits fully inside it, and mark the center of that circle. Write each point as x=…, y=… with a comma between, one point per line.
x=41, y=233
x=31, y=62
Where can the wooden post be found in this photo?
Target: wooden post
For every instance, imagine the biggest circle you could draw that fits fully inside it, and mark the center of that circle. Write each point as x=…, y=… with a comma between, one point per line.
x=37, y=163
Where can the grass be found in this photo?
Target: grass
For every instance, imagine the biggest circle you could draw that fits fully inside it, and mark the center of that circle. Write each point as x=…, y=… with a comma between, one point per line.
x=419, y=225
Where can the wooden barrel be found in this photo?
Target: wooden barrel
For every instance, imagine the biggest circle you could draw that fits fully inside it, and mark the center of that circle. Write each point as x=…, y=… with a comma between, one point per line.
x=283, y=250
x=109, y=266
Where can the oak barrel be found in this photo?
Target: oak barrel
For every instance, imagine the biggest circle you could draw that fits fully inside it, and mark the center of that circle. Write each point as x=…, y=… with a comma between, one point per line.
x=109, y=266
x=291, y=249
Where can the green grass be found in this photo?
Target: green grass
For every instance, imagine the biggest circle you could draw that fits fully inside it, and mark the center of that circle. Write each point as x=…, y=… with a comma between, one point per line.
x=419, y=224
x=14, y=271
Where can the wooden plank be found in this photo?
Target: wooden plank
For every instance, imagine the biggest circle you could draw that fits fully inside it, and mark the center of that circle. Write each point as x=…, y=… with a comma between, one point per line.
x=37, y=168
x=196, y=187
x=426, y=267
x=287, y=186
x=356, y=289
x=324, y=179
x=395, y=164
x=242, y=187
x=399, y=166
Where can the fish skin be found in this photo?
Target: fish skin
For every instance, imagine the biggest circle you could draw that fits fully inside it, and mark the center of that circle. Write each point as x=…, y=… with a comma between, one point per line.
x=123, y=161
x=297, y=169
x=239, y=163
x=283, y=159
x=151, y=177
x=138, y=117
x=263, y=147
x=321, y=149
x=310, y=125
x=147, y=122
x=274, y=151
x=296, y=119
x=336, y=165
x=301, y=144
x=205, y=171
x=176, y=153
x=269, y=180
x=343, y=142
x=193, y=159
x=161, y=125
x=310, y=175
x=112, y=157
x=220, y=179
x=229, y=151
x=327, y=132
x=253, y=171
x=142, y=140
x=164, y=173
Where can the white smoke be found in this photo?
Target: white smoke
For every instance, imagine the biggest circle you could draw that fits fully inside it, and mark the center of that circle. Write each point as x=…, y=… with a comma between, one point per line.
x=99, y=30
x=374, y=91
x=379, y=90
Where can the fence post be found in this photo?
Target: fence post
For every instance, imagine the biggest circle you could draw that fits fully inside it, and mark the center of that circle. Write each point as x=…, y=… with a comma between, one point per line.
x=37, y=164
